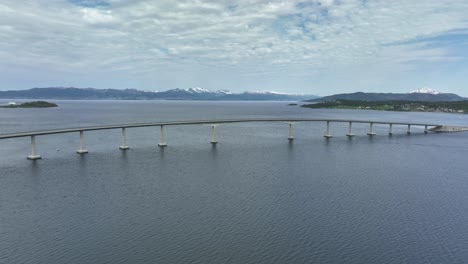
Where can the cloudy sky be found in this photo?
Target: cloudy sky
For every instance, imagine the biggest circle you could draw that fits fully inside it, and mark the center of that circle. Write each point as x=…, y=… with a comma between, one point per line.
x=295, y=46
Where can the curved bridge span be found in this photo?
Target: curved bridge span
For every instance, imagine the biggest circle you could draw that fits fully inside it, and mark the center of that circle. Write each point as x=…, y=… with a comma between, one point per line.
x=213, y=123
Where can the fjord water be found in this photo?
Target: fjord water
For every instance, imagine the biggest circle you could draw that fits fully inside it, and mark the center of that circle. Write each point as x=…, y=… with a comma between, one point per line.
x=253, y=198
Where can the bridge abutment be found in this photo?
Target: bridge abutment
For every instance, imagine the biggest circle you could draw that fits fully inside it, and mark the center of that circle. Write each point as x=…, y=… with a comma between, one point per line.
x=124, y=140
x=34, y=155
x=327, y=133
x=291, y=131
x=350, y=130
x=162, y=142
x=371, y=130
x=82, y=149
x=214, y=139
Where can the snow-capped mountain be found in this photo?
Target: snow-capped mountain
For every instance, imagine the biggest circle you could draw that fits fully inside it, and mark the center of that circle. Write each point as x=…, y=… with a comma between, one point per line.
x=426, y=90
x=198, y=90
x=223, y=92
x=195, y=93
x=264, y=92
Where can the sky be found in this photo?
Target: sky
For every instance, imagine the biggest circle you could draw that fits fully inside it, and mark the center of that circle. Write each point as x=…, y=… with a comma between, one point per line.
x=318, y=47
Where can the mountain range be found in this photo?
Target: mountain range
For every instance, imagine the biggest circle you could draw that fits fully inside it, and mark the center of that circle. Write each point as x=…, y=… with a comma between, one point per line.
x=134, y=94
x=418, y=95
x=197, y=93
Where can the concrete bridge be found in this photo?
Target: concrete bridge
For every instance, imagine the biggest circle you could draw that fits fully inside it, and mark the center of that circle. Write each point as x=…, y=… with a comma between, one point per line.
x=214, y=123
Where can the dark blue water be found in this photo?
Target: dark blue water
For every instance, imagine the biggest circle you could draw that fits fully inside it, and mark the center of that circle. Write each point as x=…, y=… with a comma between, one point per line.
x=254, y=198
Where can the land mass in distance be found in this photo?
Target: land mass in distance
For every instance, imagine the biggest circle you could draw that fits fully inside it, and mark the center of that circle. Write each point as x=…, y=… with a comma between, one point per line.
x=34, y=104
x=72, y=93
x=421, y=106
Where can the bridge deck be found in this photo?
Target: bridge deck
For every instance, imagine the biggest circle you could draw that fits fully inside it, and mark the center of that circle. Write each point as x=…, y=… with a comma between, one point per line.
x=199, y=122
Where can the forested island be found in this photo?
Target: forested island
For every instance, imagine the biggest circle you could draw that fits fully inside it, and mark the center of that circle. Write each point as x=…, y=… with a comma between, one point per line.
x=34, y=104
x=446, y=107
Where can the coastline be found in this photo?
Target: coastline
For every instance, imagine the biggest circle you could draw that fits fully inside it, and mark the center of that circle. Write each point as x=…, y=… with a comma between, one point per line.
x=457, y=107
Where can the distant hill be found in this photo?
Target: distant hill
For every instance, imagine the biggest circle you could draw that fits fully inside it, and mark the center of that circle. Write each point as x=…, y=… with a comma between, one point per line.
x=34, y=104
x=196, y=93
x=415, y=96
x=414, y=106
x=74, y=93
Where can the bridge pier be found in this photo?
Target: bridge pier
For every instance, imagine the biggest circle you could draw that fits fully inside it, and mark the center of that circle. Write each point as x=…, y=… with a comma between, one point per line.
x=371, y=130
x=425, y=129
x=162, y=142
x=82, y=149
x=291, y=131
x=124, y=140
x=350, y=128
x=409, y=130
x=214, y=140
x=327, y=135
x=34, y=155
x=390, y=129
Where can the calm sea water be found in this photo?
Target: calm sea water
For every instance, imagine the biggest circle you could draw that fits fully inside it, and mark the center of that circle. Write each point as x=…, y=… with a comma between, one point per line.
x=254, y=198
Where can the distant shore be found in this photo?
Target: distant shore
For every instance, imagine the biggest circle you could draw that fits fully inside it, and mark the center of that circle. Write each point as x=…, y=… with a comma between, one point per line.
x=460, y=107
x=34, y=104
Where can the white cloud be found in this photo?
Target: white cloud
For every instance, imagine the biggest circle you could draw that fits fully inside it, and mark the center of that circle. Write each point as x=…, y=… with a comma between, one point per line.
x=96, y=16
x=282, y=37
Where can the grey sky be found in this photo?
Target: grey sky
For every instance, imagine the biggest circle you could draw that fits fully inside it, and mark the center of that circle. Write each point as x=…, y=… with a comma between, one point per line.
x=315, y=47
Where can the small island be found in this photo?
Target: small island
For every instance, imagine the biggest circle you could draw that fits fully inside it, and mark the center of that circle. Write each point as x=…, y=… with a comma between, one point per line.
x=407, y=106
x=34, y=104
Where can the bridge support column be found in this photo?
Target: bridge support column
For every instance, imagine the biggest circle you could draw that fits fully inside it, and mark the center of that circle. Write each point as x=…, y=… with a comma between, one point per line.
x=350, y=130
x=390, y=129
x=82, y=149
x=34, y=155
x=291, y=131
x=425, y=130
x=124, y=140
x=327, y=134
x=214, y=140
x=409, y=130
x=162, y=142
x=371, y=130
